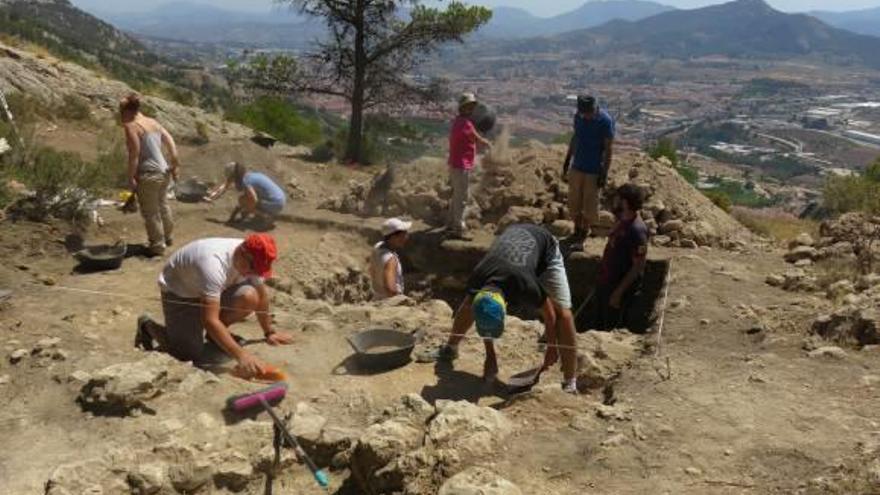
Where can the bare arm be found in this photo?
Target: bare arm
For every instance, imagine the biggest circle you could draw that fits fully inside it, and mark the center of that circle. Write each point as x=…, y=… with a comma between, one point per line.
x=263, y=316
x=219, y=190
x=628, y=280
x=133, y=143
x=608, y=154
x=171, y=146
x=480, y=139
x=219, y=332
x=390, y=277
x=572, y=148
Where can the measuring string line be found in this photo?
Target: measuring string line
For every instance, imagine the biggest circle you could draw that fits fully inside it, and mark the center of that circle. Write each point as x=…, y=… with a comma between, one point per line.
x=277, y=311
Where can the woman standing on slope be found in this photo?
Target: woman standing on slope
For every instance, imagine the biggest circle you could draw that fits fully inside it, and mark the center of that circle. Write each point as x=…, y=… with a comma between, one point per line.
x=149, y=174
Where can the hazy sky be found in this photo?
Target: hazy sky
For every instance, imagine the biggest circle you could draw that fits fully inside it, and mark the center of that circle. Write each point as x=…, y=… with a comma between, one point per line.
x=537, y=7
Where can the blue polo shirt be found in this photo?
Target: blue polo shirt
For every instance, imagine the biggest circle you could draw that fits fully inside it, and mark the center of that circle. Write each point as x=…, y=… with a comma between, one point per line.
x=590, y=136
x=267, y=191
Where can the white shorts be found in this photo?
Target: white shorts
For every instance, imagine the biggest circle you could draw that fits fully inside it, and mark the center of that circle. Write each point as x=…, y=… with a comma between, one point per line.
x=554, y=280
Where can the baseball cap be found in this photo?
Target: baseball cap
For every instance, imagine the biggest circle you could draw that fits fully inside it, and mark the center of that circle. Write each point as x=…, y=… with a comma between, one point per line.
x=489, y=310
x=395, y=225
x=466, y=98
x=586, y=103
x=261, y=248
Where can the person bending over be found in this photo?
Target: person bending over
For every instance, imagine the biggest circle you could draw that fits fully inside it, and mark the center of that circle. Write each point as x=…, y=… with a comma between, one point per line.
x=524, y=266
x=259, y=195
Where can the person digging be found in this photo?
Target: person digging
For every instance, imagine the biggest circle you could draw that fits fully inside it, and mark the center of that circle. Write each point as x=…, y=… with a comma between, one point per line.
x=206, y=287
x=524, y=266
x=589, y=159
x=260, y=197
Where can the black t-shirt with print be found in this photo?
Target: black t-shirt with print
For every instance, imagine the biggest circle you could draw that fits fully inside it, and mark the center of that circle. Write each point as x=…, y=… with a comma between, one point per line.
x=515, y=263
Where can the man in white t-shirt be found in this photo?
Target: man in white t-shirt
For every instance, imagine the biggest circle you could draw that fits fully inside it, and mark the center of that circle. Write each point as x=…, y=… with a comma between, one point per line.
x=207, y=286
x=386, y=272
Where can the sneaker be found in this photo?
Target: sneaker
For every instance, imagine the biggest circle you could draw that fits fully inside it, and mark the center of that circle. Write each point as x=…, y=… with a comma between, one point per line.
x=445, y=353
x=142, y=338
x=570, y=388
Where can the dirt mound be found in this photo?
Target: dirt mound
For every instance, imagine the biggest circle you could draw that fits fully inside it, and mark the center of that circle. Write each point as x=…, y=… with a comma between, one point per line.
x=524, y=185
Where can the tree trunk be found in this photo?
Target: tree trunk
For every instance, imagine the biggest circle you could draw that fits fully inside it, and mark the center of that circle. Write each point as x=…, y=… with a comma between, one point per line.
x=354, y=151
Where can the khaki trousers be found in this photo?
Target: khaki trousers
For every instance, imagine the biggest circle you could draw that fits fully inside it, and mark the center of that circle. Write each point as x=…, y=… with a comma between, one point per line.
x=152, y=191
x=583, y=198
x=460, y=180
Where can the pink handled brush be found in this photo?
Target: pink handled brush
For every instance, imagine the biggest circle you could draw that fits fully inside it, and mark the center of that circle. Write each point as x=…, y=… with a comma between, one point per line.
x=263, y=398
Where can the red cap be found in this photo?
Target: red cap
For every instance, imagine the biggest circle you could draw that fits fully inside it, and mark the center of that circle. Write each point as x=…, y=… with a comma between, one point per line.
x=263, y=252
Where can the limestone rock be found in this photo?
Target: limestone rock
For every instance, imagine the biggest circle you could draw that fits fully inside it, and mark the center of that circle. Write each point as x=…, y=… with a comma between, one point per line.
x=17, y=355
x=120, y=388
x=803, y=239
x=478, y=481
x=471, y=431
x=380, y=445
x=520, y=214
x=800, y=253
x=775, y=280
x=671, y=226
x=849, y=326
x=149, y=478
x=562, y=228
x=307, y=425
x=840, y=289
x=829, y=351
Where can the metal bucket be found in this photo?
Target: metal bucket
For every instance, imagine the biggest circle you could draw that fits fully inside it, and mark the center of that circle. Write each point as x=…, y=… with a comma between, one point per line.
x=102, y=257
x=382, y=349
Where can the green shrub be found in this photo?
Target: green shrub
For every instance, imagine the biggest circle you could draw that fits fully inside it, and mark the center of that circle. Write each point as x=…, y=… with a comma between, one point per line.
x=845, y=194
x=664, y=148
x=74, y=108
x=202, y=135
x=688, y=173
x=720, y=198
x=278, y=118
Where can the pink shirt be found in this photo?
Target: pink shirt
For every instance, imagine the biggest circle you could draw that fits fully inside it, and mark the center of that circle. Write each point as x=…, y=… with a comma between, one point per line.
x=462, y=143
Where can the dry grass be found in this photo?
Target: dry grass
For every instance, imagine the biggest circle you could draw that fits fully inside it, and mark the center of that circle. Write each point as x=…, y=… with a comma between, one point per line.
x=775, y=225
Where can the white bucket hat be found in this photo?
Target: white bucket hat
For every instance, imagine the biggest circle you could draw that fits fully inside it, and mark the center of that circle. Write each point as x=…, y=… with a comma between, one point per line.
x=395, y=225
x=466, y=99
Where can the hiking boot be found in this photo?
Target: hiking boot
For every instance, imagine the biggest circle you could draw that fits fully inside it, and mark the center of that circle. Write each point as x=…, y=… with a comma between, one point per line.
x=570, y=388
x=142, y=338
x=150, y=336
x=444, y=354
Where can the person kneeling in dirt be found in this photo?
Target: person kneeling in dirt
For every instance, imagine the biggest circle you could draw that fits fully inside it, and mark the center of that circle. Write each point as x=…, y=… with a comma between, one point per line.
x=623, y=263
x=208, y=285
x=260, y=196
x=523, y=266
x=386, y=272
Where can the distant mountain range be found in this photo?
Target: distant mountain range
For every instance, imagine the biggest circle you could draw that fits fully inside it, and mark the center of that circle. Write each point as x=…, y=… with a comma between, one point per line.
x=509, y=22
x=202, y=23
x=865, y=21
x=740, y=29
x=72, y=34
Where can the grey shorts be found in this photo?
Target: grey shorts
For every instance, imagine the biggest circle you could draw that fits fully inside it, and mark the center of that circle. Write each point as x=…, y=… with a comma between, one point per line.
x=554, y=280
x=184, y=327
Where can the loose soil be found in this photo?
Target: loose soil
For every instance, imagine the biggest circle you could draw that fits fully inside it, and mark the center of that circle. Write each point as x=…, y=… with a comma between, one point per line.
x=724, y=400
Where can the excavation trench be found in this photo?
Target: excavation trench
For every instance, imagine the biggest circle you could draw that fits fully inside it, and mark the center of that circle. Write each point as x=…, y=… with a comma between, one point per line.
x=440, y=270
